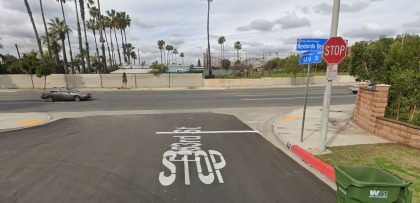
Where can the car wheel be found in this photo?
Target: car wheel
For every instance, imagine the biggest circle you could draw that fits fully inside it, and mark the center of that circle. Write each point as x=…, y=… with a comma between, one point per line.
x=354, y=92
x=49, y=99
x=77, y=98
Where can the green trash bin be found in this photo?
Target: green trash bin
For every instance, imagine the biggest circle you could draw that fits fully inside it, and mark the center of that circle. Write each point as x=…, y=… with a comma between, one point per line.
x=356, y=184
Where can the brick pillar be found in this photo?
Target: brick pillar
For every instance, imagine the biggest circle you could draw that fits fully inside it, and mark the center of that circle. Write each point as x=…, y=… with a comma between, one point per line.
x=370, y=104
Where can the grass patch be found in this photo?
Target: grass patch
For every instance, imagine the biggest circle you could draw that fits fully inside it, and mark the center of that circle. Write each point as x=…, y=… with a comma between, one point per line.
x=401, y=160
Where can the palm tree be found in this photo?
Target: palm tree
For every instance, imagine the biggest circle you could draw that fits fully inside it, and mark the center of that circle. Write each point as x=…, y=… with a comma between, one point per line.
x=221, y=41
x=93, y=25
x=238, y=46
x=28, y=8
x=46, y=29
x=68, y=36
x=108, y=24
x=80, y=57
x=182, y=56
x=83, y=14
x=168, y=49
x=54, y=47
x=161, y=44
x=122, y=25
x=127, y=24
x=59, y=29
x=96, y=13
x=208, y=40
x=129, y=49
x=175, y=53
x=113, y=23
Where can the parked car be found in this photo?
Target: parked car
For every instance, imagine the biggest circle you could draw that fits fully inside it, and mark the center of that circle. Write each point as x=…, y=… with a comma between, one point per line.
x=65, y=94
x=354, y=88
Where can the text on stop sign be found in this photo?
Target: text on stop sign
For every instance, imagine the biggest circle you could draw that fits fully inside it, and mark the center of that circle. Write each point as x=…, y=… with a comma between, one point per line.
x=334, y=50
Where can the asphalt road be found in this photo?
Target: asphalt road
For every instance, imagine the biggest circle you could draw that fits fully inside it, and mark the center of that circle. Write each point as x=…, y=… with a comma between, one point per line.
x=136, y=158
x=186, y=99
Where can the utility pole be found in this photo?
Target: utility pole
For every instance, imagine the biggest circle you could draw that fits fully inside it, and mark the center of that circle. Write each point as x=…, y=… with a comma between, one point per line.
x=328, y=83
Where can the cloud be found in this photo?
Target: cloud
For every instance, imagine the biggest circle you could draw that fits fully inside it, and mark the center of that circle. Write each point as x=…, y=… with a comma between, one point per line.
x=176, y=40
x=371, y=31
x=260, y=25
x=413, y=26
x=293, y=21
x=289, y=21
x=325, y=8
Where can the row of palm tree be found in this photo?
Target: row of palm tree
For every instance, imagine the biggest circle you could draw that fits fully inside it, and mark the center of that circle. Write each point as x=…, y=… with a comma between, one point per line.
x=172, y=53
x=58, y=31
x=237, y=46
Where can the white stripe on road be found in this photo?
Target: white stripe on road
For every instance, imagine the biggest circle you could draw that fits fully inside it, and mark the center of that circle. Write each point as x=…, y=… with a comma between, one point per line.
x=8, y=103
x=209, y=132
x=291, y=98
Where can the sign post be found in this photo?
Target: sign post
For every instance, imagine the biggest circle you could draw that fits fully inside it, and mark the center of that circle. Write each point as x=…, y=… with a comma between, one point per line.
x=313, y=54
x=333, y=53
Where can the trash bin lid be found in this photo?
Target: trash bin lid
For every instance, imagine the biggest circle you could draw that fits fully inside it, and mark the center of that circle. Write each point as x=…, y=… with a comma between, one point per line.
x=365, y=176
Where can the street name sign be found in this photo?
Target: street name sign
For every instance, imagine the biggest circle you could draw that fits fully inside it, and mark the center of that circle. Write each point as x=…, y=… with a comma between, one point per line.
x=310, y=57
x=310, y=44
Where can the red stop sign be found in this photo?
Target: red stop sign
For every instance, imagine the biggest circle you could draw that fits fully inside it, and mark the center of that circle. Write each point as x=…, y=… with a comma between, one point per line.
x=335, y=50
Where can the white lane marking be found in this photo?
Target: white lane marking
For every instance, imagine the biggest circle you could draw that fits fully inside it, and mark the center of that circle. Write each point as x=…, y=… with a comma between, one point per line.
x=209, y=132
x=291, y=98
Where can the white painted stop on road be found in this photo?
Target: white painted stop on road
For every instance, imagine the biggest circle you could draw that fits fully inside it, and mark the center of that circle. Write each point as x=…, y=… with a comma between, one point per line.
x=335, y=49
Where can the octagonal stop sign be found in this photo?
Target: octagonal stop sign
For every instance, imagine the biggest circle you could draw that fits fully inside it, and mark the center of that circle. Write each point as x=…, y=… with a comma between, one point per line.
x=335, y=50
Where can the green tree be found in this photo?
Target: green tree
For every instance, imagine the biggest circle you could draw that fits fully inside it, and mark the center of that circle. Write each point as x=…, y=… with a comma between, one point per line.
x=28, y=64
x=44, y=68
x=95, y=13
x=161, y=45
x=38, y=40
x=59, y=29
x=225, y=64
x=93, y=25
x=124, y=78
x=55, y=48
x=158, y=68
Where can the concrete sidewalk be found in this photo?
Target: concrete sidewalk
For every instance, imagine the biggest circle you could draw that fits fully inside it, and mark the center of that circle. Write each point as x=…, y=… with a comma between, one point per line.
x=341, y=131
x=15, y=121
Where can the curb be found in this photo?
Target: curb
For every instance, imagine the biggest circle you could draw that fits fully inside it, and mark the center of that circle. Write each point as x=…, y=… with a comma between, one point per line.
x=307, y=157
x=316, y=163
x=48, y=120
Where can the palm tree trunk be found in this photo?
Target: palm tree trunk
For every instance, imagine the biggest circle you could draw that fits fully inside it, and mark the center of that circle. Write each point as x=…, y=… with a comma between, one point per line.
x=112, y=47
x=82, y=12
x=107, y=44
x=79, y=33
x=96, y=43
x=68, y=39
x=118, y=46
x=64, y=55
x=161, y=59
x=208, y=41
x=46, y=30
x=123, y=44
x=101, y=37
x=28, y=8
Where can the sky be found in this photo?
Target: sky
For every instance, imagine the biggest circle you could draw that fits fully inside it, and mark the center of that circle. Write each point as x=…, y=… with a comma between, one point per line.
x=261, y=26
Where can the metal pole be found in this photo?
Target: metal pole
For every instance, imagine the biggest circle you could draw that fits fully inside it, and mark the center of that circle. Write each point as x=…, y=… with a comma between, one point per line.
x=328, y=83
x=306, y=101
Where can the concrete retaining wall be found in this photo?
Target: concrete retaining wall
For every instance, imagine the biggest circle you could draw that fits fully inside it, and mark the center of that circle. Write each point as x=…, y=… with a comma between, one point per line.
x=153, y=81
x=186, y=80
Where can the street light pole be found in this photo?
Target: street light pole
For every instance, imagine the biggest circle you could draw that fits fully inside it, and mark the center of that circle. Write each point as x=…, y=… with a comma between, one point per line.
x=328, y=83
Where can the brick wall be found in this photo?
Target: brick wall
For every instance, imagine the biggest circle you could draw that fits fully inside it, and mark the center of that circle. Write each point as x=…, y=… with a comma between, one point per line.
x=369, y=115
